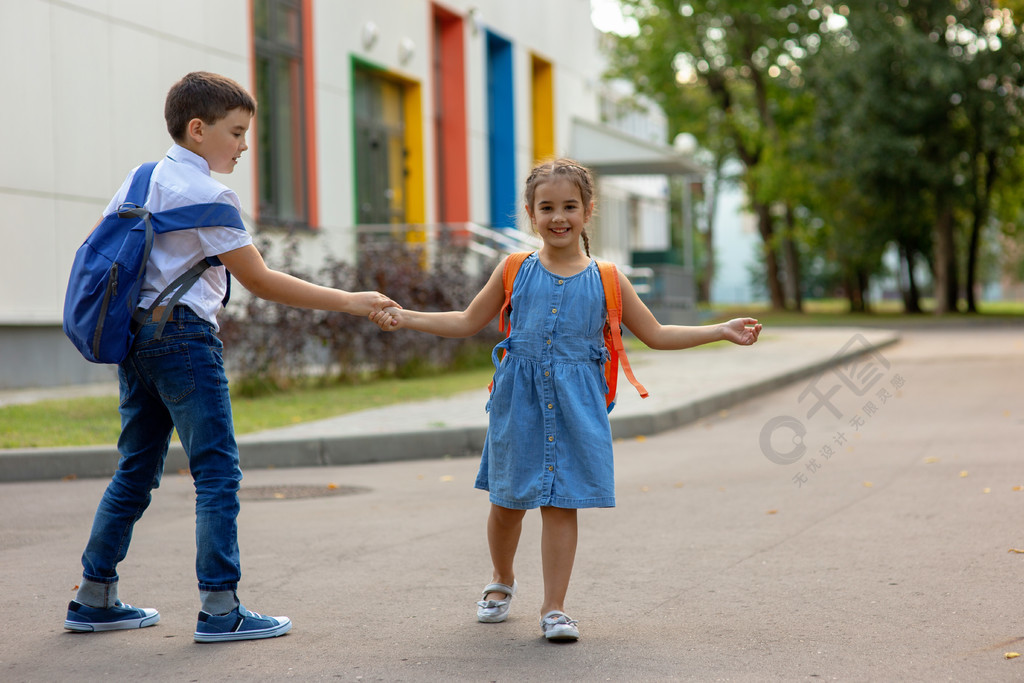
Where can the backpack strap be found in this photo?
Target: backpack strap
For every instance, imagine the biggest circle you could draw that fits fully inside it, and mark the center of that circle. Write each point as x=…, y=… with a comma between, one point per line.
x=181, y=218
x=508, y=277
x=134, y=205
x=139, y=188
x=613, y=333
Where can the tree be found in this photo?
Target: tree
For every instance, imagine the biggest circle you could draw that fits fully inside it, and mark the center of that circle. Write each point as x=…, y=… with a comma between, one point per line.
x=991, y=114
x=946, y=83
x=718, y=69
x=859, y=125
x=879, y=100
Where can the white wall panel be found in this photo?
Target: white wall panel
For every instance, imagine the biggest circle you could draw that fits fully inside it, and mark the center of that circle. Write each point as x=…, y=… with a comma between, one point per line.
x=27, y=115
x=27, y=290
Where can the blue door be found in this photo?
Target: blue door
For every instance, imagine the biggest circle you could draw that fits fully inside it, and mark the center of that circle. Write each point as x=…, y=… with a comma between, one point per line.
x=501, y=137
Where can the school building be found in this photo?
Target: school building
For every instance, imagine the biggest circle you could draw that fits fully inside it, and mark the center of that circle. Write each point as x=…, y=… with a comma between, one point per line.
x=401, y=117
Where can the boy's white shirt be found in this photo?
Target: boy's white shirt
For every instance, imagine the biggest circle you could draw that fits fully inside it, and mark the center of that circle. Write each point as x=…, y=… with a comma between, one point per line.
x=180, y=179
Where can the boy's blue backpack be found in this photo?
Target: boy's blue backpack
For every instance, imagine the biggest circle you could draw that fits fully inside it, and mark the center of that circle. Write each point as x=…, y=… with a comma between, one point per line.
x=107, y=274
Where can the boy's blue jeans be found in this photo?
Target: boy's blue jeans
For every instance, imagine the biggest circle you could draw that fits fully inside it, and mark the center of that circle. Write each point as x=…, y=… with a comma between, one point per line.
x=176, y=382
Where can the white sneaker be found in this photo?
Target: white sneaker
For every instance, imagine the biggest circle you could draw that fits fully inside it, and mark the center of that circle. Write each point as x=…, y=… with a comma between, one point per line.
x=558, y=626
x=494, y=611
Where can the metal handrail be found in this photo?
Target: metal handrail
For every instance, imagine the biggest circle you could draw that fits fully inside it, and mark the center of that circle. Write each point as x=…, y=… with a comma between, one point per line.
x=492, y=243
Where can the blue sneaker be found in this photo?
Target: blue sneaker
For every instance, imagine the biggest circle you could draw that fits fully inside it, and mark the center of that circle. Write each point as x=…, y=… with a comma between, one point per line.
x=85, y=619
x=239, y=624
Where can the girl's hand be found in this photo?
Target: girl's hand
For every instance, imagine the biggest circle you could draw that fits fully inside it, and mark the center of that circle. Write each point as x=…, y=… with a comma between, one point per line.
x=388, y=319
x=368, y=303
x=742, y=331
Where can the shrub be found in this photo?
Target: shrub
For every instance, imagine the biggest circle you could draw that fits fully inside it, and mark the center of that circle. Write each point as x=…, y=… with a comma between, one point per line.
x=270, y=347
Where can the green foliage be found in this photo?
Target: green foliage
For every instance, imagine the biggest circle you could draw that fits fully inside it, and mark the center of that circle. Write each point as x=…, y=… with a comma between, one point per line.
x=861, y=126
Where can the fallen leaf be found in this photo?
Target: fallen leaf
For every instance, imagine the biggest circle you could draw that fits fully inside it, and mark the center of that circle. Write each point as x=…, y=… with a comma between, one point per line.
x=183, y=472
x=447, y=477
x=75, y=588
x=1018, y=488
x=70, y=477
x=772, y=512
x=986, y=490
x=929, y=460
x=1015, y=550
x=868, y=484
x=645, y=489
x=678, y=485
x=279, y=495
x=1011, y=655
x=332, y=486
x=641, y=438
x=963, y=473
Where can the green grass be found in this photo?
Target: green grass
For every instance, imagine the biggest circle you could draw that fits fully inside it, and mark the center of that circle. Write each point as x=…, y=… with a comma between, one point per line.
x=64, y=422
x=95, y=421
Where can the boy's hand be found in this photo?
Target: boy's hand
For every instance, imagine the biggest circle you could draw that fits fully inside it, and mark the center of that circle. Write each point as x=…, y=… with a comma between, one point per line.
x=388, y=319
x=368, y=303
x=742, y=331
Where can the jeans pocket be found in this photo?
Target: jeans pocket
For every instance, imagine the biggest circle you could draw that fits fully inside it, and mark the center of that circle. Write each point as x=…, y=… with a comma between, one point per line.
x=170, y=369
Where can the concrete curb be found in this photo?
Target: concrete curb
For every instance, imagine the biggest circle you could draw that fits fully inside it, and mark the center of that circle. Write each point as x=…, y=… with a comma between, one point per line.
x=267, y=451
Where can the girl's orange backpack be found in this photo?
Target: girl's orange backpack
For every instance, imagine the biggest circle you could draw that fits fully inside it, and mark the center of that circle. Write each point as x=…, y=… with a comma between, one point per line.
x=612, y=328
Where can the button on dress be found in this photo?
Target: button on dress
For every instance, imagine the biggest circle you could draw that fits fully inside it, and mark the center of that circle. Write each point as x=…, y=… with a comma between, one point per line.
x=549, y=442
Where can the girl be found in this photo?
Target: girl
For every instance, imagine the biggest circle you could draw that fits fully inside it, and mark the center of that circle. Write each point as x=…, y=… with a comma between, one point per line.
x=549, y=442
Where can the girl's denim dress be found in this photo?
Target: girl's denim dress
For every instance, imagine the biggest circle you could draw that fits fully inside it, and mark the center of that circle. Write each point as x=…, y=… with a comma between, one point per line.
x=549, y=442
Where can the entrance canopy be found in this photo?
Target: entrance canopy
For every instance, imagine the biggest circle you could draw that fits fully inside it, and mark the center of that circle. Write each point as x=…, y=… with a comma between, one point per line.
x=607, y=151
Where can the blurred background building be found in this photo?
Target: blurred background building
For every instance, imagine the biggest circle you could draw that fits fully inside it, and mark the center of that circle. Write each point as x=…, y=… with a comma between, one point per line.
x=404, y=118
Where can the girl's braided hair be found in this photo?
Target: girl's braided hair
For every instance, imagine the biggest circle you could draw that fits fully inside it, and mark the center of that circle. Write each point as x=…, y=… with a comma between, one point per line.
x=569, y=169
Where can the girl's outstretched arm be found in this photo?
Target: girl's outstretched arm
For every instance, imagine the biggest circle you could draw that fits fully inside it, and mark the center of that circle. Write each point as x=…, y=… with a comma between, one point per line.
x=485, y=305
x=642, y=323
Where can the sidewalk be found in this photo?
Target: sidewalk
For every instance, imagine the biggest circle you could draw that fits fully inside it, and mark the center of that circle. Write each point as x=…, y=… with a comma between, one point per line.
x=684, y=386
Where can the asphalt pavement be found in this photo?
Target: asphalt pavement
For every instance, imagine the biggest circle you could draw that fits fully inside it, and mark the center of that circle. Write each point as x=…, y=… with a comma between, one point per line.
x=813, y=518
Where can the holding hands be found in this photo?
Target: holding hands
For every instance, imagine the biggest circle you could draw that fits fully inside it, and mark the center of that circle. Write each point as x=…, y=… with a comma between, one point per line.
x=369, y=303
x=389, y=318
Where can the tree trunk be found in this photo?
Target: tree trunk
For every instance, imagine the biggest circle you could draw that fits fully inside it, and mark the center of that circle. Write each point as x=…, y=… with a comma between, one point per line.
x=854, y=292
x=863, y=280
x=711, y=208
x=793, y=276
x=982, y=201
x=707, y=275
x=972, y=263
x=766, y=227
x=911, y=295
x=946, y=285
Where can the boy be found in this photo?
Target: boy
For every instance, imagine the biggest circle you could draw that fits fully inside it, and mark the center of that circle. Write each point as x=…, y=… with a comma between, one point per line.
x=178, y=381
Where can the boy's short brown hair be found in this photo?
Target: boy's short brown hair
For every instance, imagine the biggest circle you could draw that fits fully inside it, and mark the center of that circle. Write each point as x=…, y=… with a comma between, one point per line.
x=205, y=96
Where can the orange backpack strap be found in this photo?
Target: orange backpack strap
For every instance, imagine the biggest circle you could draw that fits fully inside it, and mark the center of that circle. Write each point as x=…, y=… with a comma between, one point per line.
x=508, y=276
x=613, y=333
